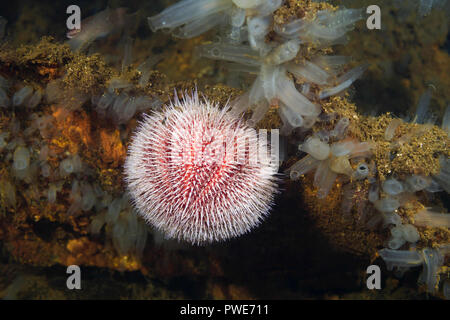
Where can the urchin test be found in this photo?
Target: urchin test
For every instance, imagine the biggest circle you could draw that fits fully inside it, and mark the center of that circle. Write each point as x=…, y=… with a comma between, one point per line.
x=200, y=174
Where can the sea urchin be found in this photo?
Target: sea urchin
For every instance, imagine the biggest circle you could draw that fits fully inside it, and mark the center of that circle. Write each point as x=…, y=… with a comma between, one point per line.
x=191, y=172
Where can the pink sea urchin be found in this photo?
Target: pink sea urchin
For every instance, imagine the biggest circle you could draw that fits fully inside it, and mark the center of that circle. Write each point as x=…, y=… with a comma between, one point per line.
x=191, y=173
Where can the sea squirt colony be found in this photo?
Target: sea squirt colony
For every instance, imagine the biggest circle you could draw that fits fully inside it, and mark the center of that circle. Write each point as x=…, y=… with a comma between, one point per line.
x=45, y=147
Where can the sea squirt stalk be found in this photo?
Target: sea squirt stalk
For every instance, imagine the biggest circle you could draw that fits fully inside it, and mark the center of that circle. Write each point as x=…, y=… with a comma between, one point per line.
x=190, y=174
